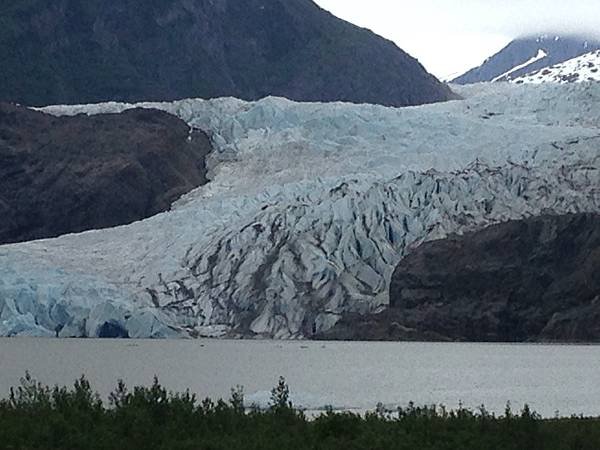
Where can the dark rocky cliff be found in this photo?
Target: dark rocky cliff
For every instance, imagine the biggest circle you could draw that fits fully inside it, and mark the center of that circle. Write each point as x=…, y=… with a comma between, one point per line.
x=531, y=280
x=68, y=174
x=71, y=51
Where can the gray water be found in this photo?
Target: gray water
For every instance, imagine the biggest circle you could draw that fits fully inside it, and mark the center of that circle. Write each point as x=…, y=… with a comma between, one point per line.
x=353, y=376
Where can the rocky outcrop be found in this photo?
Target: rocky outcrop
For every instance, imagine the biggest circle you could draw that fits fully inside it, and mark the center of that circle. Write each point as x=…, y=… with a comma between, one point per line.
x=63, y=175
x=527, y=280
x=140, y=50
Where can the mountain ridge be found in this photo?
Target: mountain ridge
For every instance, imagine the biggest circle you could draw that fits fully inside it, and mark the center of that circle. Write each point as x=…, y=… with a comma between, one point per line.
x=519, y=57
x=59, y=51
x=581, y=69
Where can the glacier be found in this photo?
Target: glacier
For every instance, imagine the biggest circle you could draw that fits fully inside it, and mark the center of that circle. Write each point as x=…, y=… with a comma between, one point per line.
x=309, y=209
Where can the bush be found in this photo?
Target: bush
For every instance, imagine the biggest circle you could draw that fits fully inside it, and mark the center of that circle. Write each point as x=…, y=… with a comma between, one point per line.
x=35, y=416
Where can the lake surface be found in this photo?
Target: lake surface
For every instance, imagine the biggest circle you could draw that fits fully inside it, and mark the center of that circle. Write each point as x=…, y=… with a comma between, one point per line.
x=345, y=375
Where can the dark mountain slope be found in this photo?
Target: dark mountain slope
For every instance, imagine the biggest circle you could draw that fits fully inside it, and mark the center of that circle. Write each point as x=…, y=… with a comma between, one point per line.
x=70, y=51
x=530, y=280
x=557, y=49
x=68, y=174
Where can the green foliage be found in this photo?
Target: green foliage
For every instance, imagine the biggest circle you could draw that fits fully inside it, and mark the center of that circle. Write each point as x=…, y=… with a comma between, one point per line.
x=35, y=416
x=280, y=396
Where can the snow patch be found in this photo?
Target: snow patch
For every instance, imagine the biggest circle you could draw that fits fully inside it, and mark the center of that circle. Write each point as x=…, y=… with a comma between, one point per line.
x=541, y=54
x=584, y=68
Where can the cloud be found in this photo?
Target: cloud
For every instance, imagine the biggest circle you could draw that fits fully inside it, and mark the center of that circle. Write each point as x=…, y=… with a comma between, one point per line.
x=451, y=36
x=527, y=17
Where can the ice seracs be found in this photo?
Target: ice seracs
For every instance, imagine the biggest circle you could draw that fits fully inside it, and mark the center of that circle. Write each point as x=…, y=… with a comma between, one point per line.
x=309, y=209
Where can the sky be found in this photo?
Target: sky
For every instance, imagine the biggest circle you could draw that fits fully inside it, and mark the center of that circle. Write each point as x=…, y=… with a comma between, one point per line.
x=451, y=36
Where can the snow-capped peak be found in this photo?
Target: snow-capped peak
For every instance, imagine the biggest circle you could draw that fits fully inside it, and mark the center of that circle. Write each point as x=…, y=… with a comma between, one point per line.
x=576, y=70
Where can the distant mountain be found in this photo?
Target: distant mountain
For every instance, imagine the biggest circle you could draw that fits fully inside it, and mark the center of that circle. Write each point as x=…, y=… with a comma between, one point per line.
x=526, y=55
x=583, y=68
x=68, y=174
x=64, y=51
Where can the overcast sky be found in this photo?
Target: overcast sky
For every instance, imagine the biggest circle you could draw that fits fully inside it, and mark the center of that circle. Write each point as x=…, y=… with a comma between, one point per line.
x=450, y=36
